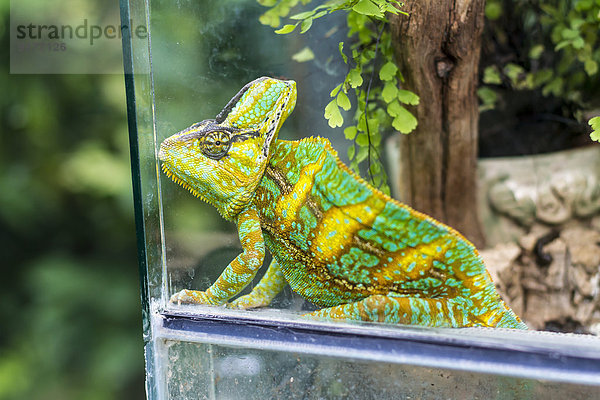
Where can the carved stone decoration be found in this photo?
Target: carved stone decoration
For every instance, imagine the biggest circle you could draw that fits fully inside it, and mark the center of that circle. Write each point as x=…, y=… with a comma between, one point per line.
x=550, y=189
x=567, y=195
x=562, y=293
x=518, y=203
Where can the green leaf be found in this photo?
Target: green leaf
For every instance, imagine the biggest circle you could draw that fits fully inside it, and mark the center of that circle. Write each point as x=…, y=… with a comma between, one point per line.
x=576, y=23
x=306, y=54
x=389, y=7
x=491, y=76
x=569, y=33
x=584, y=5
x=542, y=76
x=390, y=91
x=362, y=123
x=335, y=90
x=354, y=78
x=595, y=124
x=536, y=51
x=270, y=19
x=578, y=43
x=362, y=139
x=320, y=14
x=408, y=97
x=488, y=98
x=493, y=10
x=555, y=87
x=341, y=48
x=333, y=115
x=388, y=71
x=562, y=44
x=306, y=24
x=363, y=152
x=286, y=29
x=375, y=168
x=351, y=153
x=267, y=3
x=591, y=67
x=405, y=122
x=303, y=15
x=513, y=71
x=375, y=136
x=374, y=129
x=350, y=132
x=394, y=108
x=367, y=7
x=343, y=101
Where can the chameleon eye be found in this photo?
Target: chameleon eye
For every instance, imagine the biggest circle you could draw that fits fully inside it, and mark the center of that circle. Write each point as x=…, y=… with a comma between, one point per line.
x=215, y=144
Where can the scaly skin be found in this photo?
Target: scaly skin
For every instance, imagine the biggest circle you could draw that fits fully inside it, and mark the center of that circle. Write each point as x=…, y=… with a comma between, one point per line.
x=337, y=241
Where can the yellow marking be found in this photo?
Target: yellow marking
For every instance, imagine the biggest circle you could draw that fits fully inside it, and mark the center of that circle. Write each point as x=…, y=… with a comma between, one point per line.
x=402, y=260
x=336, y=227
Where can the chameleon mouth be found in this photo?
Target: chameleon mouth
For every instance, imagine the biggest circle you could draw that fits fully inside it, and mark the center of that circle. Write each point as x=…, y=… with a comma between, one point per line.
x=171, y=175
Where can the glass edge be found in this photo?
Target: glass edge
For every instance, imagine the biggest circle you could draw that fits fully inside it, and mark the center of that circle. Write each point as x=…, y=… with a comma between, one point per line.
x=134, y=156
x=409, y=347
x=129, y=74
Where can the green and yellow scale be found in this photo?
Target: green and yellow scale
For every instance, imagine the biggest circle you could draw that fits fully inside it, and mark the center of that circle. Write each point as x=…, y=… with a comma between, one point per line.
x=337, y=241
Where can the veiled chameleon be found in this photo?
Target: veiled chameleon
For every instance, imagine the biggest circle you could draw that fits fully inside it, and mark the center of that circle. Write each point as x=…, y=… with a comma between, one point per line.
x=337, y=241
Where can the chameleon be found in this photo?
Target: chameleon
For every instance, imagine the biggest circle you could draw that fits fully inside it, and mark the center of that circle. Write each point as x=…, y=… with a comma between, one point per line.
x=348, y=248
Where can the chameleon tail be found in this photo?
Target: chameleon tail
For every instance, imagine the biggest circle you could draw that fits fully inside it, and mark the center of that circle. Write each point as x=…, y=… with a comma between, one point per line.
x=510, y=320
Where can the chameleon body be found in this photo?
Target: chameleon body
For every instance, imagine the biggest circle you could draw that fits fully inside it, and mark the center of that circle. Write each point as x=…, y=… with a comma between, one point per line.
x=337, y=241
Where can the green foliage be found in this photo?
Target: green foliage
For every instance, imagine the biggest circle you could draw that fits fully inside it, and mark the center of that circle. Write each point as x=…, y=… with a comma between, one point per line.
x=595, y=124
x=551, y=46
x=306, y=54
x=74, y=343
x=372, y=75
x=69, y=292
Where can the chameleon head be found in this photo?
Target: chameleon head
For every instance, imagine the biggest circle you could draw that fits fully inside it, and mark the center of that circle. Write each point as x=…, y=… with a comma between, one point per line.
x=222, y=160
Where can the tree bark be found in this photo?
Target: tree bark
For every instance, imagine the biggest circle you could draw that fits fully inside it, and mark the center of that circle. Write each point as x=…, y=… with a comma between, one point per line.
x=437, y=48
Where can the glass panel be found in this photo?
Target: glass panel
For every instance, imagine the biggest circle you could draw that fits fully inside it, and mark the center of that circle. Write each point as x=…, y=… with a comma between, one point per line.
x=198, y=55
x=205, y=371
x=197, y=68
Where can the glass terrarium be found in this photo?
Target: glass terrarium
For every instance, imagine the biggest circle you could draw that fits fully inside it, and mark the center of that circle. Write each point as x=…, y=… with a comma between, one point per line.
x=185, y=76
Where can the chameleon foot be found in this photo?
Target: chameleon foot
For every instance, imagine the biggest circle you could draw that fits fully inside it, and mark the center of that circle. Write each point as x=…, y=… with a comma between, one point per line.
x=249, y=301
x=190, y=297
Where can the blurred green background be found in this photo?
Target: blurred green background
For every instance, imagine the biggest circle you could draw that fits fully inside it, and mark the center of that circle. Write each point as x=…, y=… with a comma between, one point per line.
x=70, y=320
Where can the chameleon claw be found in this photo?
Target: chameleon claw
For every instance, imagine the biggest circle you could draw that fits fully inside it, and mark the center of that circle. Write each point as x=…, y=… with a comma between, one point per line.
x=186, y=296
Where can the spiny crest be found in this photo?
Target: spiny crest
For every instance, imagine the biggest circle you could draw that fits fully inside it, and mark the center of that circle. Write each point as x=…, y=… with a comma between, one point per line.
x=180, y=182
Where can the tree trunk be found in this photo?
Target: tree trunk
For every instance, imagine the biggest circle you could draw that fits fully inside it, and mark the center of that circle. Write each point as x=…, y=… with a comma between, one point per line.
x=437, y=48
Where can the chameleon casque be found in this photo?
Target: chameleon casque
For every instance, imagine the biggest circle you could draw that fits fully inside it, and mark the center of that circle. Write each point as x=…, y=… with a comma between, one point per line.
x=337, y=241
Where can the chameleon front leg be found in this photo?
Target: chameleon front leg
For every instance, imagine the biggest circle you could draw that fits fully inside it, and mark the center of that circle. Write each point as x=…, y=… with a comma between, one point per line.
x=269, y=286
x=397, y=310
x=240, y=272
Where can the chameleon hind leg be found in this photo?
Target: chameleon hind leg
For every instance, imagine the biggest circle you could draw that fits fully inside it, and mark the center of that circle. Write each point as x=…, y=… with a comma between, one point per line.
x=398, y=310
x=262, y=294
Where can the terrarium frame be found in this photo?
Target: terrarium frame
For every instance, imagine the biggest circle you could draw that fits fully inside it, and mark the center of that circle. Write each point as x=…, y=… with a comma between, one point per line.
x=532, y=356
